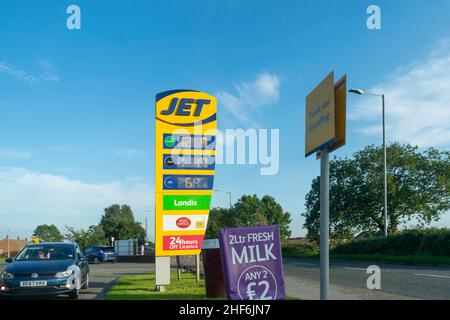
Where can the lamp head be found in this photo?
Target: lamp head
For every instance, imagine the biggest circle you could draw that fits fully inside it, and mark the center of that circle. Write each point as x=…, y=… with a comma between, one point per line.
x=356, y=91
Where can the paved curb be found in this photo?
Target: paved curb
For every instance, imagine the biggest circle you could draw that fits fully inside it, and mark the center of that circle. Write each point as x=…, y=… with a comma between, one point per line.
x=101, y=295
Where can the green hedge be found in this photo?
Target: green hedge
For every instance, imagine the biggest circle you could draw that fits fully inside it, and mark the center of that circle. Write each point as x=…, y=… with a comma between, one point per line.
x=410, y=242
x=300, y=250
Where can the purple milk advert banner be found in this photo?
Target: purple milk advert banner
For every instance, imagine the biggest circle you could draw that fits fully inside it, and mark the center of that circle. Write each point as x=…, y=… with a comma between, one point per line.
x=252, y=263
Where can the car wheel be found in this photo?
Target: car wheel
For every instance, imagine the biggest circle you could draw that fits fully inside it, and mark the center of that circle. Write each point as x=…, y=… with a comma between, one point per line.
x=95, y=260
x=74, y=294
x=86, y=283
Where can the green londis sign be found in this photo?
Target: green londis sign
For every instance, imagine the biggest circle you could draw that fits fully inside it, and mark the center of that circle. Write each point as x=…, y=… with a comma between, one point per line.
x=182, y=202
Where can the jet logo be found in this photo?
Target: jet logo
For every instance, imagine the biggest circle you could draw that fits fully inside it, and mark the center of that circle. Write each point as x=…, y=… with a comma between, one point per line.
x=186, y=107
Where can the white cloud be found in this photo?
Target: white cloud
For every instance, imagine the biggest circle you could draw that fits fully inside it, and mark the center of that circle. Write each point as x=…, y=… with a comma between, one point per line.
x=17, y=73
x=48, y=71
x=47, y=75
x=130, y=153
x=251, y=98
x=14, y=154
x=417, y=103
x=30, y=198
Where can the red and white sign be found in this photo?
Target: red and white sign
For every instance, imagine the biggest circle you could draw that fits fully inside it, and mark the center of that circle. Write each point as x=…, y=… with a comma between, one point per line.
x=182, y=242
x=185, y=222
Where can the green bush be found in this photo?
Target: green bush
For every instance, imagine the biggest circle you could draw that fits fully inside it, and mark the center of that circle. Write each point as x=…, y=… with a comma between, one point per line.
x=432, y=241
x=300, y=250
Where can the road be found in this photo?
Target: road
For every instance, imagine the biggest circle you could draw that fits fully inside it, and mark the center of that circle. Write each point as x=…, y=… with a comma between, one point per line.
x=103, y=277
x=347, y=280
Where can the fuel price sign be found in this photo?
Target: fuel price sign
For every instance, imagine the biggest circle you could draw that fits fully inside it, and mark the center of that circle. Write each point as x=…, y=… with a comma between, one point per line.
x=185, y=143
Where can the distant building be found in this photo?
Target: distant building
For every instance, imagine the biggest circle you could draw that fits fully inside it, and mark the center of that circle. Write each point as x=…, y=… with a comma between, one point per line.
x=15, y=245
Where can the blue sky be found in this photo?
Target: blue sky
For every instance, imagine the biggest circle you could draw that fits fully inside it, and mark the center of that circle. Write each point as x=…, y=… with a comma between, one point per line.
x=77, y=106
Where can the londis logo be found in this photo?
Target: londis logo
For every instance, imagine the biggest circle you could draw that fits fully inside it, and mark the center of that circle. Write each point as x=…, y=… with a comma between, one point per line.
x=185, y=107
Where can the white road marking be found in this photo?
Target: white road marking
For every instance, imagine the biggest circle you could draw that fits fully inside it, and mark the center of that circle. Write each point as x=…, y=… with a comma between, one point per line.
x=431, y=275
x=350, y=268
x=303, y=263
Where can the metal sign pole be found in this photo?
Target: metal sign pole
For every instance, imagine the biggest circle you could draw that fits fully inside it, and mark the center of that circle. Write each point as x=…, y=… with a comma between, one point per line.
x=197, y=267
x=324, y=223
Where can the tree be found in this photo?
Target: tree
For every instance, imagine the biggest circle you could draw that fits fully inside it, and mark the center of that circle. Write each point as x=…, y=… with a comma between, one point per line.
x=118, y=222
x=418, y=188
x=275, y=214
x=249, y=210
x=94, y=235
x=48, y=233
x=218, y=218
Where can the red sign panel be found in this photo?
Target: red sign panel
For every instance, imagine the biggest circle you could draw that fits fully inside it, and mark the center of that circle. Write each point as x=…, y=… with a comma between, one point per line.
x=182, y=242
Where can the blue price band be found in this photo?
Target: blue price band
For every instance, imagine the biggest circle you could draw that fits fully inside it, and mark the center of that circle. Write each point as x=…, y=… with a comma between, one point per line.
x=188, y=182
x=188, y=162
x=188, y=142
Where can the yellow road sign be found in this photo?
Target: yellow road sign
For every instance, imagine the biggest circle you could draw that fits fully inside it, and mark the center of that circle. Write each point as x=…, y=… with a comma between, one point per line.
x=340, y=114
x=326, y=109
x=319, y=116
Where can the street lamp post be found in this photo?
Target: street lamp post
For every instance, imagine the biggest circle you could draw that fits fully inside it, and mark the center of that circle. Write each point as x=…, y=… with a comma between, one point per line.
x=147, y=238
x=361, y=92
x=228, y=192
x=9, y=251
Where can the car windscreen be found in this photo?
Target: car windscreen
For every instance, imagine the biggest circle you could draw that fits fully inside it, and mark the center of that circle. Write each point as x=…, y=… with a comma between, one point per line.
x=46, y=253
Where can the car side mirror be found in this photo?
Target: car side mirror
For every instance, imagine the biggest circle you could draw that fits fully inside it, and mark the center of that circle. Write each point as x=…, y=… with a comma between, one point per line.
x=9, y=260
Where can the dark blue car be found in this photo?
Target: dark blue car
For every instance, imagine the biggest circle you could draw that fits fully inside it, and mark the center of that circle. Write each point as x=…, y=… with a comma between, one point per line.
x=100, y=253
x=45, y=269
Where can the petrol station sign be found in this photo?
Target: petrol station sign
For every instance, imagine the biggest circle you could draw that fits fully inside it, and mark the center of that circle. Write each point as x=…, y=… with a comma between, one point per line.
x=185, y=143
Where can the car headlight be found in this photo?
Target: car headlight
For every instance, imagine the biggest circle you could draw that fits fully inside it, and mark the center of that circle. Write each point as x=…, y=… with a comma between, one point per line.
x=64, y=274
x=7, y=275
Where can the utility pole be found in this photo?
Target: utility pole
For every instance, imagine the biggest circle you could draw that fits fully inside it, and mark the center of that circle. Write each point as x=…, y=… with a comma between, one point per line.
x=146, y=230
x=385, y=171
x=147, y=238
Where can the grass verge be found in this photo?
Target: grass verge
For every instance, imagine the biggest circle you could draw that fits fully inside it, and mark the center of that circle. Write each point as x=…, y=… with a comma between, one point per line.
x=141, y=287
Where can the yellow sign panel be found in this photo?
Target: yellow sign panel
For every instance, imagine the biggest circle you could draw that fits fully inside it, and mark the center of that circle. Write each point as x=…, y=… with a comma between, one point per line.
x=185, y=139
x=326, y=113
x=340, y=114
x=320, y=116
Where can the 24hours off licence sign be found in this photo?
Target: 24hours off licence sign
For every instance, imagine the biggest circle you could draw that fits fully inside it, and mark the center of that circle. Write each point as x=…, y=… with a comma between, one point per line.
x=185, y=144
